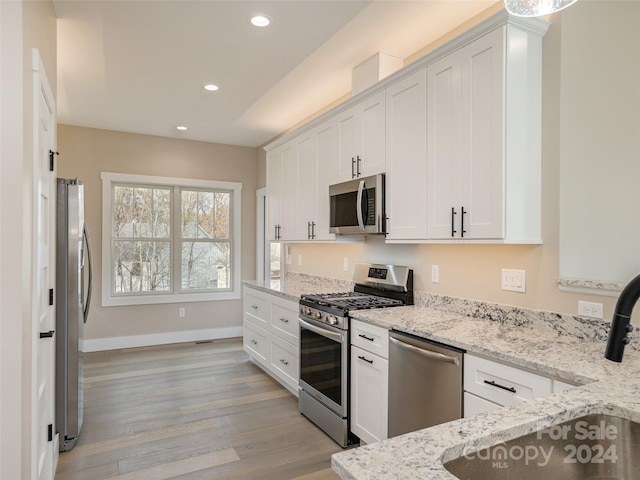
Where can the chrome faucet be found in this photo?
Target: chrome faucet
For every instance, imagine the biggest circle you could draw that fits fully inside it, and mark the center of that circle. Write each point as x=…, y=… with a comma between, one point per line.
x=620, y=325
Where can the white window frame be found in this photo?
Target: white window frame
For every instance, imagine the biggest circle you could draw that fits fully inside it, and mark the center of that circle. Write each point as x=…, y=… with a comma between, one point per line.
x=110, y=300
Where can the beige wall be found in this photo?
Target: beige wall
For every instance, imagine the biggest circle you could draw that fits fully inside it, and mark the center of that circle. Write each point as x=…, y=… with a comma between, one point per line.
x=474, y=271
x=86, y=152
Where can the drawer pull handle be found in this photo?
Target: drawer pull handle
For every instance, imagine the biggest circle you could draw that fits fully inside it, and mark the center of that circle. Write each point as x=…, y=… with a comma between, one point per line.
x=255, y=307
x=494, y=384
x=362, y=357
x=285, y=320
x=362, y=335
x=253, y=341
x=284, y=362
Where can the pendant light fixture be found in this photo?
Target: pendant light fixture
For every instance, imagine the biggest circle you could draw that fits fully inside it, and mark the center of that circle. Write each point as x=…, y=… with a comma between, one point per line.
x=535, y=8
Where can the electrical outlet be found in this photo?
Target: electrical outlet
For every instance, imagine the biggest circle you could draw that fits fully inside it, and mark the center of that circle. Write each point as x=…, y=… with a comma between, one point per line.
x=514, y=280
x=345, y=264
x=435, y=273
x=181, y=312
x=590, y=309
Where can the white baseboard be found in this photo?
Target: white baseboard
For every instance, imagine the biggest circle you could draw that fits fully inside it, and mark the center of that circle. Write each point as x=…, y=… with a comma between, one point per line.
x=115, y=343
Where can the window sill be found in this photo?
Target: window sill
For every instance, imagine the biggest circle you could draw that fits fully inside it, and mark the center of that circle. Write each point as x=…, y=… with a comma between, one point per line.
x=591, y=287
x=170, y=298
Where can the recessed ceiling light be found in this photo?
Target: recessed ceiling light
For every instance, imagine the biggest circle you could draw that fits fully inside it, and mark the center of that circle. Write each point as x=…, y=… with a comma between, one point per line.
x=181, y=127
x=260, y=21
x=211, y=87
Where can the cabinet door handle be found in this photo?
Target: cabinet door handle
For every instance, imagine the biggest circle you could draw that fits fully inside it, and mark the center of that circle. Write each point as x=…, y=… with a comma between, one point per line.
x=284, y=362
x=308, y=230
x=363, y=358
x=285, y=320
x=353, y=167
x=313, y=230
x=453, y=221
x=358, y=165
x=362, y=335
x=462, y=230
x=255, y=307
x=494, y=384
x=253, y=341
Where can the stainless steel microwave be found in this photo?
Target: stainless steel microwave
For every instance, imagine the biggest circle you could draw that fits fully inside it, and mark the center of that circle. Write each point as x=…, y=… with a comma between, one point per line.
x=357, y=206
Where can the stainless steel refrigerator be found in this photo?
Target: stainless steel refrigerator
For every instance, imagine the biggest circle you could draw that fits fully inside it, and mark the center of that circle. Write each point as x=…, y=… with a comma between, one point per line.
x=73, y=296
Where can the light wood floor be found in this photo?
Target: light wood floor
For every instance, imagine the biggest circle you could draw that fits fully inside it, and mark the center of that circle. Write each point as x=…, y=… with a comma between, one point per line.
x=191, y=411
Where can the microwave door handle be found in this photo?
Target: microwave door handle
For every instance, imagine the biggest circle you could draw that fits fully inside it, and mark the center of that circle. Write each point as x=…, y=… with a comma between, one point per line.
x=359, y=205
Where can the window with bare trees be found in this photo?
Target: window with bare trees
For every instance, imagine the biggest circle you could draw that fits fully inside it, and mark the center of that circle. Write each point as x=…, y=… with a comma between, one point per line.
x=169, y=239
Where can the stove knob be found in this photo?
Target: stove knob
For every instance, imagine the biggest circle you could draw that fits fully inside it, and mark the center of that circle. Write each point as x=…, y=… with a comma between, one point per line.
x=307, y=311
x=332, y=320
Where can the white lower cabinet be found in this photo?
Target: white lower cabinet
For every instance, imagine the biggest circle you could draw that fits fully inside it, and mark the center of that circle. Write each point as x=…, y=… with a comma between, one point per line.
x=489, y=385
x=256, y=342
x=369, y=381
x=271, y=337
x=473, y=405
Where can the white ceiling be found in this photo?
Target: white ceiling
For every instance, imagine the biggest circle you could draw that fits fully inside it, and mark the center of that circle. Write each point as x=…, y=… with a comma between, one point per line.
x=140, y=66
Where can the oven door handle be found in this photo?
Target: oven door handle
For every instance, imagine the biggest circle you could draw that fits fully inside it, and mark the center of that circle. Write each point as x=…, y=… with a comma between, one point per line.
x=320, y=331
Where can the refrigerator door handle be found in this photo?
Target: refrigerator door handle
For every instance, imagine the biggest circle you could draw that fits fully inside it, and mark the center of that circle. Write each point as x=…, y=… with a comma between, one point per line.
x=87, y=303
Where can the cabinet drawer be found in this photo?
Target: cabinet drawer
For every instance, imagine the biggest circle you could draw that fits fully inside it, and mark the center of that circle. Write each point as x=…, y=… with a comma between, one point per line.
x=256, y=306
x=502, y=384
x=369, y=337
x=474, y=405
x=284, y=361
x=256, y=342
x=284, y=319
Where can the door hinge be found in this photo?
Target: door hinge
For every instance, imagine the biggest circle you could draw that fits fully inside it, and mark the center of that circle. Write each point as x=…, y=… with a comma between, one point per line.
x=51, y=155
x=50, y=296
x=50, y=432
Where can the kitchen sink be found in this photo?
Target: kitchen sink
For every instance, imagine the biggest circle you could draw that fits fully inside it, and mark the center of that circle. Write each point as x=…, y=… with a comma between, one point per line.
x=587, y=448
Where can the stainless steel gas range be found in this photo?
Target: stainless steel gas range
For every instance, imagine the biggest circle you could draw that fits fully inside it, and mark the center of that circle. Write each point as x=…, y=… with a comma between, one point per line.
x=325, y=342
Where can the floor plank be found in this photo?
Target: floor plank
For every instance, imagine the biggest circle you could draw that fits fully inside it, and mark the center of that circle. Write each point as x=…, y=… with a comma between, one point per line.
x=197, y=411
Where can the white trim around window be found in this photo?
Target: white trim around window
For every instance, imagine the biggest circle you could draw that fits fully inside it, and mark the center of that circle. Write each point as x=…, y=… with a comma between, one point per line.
x=109, y=299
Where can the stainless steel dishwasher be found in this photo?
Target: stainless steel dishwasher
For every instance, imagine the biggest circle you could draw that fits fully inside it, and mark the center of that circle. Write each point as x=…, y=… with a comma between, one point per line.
x=425, y=383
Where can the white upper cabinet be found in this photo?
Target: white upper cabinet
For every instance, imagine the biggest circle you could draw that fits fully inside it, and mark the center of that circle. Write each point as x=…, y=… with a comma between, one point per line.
x=361, y=139
x=457, y=132
x=483, y=140
x=297, y=186
x=326, y=154
x=406, y=176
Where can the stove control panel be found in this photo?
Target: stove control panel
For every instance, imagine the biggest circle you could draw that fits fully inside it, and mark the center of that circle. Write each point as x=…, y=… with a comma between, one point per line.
x=324, y=317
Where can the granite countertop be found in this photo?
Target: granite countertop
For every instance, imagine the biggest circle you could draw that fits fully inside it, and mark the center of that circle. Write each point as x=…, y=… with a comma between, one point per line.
x=607, y=387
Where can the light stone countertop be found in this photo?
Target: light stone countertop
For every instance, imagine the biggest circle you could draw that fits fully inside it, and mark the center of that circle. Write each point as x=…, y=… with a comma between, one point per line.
x=611, y=388
x=608, y=387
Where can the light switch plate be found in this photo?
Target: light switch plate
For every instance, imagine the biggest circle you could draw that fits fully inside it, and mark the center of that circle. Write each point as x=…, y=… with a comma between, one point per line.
x=514, y=280
x=435, y=273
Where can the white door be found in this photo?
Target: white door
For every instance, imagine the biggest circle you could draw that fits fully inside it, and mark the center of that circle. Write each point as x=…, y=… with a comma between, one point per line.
x=306, y=186
x=43, y=354
x=274, y=193
x=406, y=181
x=370, y=159
x=482, y=133
x=443, y=148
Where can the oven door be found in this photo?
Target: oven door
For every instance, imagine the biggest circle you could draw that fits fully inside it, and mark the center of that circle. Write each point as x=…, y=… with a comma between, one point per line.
x=324, y=364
